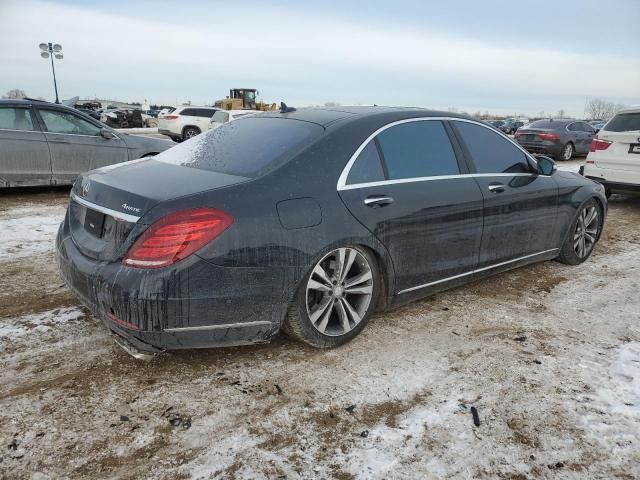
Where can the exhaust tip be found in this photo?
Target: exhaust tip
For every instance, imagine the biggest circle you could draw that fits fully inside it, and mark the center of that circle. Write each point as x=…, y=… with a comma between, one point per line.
x=133, y=351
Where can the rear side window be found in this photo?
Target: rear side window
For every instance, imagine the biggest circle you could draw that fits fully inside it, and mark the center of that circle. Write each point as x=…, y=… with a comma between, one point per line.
x=367, y=167
x=417, y=149
x=16, y=119
x=490, y=151
x=544, y=124
x=226, y=150
x=624, y=122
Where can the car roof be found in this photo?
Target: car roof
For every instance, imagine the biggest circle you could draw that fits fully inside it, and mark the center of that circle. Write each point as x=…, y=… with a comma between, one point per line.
x=632, y=109
x=325, y=116
x=182, y=107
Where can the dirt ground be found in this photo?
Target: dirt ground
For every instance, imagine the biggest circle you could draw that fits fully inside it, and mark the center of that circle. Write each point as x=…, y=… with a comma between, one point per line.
x=549, y=355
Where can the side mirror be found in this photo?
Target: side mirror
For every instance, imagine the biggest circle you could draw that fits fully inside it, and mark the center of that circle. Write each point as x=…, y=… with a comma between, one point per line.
x=546, y=166
x=107, y=134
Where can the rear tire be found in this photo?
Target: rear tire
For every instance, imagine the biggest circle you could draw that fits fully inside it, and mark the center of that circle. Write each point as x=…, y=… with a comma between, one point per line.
x=567, y=152
x=335, y=299
x=190, y=132
x=583, y=234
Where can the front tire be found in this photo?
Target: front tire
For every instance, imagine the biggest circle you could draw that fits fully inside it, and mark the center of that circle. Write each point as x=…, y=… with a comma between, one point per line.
x=335, y=299
x=583, y=234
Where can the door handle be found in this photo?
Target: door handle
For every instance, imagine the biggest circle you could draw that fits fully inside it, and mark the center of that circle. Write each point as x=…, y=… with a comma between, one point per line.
x=376, y=201
x=496, y=188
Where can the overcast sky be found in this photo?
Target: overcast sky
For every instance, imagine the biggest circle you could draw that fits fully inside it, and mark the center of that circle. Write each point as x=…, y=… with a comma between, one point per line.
x=505, y=57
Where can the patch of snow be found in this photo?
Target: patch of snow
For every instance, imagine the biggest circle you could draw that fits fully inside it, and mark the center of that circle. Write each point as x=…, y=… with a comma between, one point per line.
x=29, y=230
x=13, y=328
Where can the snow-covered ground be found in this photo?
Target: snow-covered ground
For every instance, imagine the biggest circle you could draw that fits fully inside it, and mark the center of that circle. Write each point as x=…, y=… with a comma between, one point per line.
x=30, y=230
x=548, y=354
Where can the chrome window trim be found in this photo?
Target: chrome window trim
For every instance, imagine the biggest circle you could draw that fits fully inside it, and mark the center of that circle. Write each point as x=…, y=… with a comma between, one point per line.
x=224, y=326
x=107, y=211
x=418, y=287
x=15, y=130
x=342, y=180
x=437, y=177
x=81, y=134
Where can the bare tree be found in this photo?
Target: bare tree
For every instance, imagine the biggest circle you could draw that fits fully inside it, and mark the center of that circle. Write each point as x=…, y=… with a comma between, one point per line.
x=599, y=109
x=15, y=93
x=331, y=104
x=561, y=113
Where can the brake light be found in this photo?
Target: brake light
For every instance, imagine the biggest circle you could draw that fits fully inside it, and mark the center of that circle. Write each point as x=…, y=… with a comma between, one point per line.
x=170, y=117
x=549, y=136
x=176, y=236
x=597, y=144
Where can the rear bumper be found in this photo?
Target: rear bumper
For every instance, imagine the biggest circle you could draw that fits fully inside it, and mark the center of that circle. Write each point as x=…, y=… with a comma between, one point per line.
x=169, y=133
x=544, y=148
x=617, y=186
x=193, y=304
x=615, y=180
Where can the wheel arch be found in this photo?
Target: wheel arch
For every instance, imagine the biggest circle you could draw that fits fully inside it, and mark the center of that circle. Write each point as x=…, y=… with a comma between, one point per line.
x=191, y=126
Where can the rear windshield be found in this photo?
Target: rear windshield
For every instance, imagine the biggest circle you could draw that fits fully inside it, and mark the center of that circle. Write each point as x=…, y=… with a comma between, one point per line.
x=544, y=124
x=245, y=147
x=624, y=122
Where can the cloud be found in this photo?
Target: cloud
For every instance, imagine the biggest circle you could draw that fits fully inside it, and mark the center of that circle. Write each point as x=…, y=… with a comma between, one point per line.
x=293, y=55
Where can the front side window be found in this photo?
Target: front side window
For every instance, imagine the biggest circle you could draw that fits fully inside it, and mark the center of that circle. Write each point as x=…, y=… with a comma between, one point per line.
x=417, y=149
x=64, y=122
x=490, y=151
x=16, y=119
x=367, y=167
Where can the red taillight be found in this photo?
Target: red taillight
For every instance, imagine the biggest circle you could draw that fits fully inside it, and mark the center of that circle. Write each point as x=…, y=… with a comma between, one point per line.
x=597, y=144
x=176, y=236
x=549, y=136
x=170, y=117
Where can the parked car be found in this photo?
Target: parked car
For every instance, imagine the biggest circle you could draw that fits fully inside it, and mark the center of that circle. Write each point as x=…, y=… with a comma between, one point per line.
x=495, y=123
x=597, y=126
x=511, y=126
x=185, y=122
x=614, y=155
x=559, y=138
x=44, y=143
x=311, y=220
x=224, y=116
x=92, y=113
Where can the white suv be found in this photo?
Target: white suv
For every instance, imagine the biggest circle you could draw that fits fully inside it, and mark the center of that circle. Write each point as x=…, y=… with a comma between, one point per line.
x=186, y=122
x=614, y=156
x=224, y=116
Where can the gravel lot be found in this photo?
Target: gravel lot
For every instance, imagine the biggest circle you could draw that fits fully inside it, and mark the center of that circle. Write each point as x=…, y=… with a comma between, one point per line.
x=548, y=354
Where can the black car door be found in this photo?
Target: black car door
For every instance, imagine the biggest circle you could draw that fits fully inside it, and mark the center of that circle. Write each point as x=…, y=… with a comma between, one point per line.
x=405, y=187
x=520, y=206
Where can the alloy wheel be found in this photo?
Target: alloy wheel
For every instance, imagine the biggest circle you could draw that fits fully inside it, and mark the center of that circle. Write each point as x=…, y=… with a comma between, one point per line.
x=339, y=291
x=567, y=153
x=586, y=233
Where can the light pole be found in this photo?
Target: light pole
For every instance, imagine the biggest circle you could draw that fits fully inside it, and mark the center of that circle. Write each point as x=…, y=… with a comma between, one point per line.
x=52, y=50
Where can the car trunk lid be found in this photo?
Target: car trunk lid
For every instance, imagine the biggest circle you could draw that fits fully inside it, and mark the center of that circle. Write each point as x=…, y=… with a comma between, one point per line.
x=107, y=205
x=622, y=154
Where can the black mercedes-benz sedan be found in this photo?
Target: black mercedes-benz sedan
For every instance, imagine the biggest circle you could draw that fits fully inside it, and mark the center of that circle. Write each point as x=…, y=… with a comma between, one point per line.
x=309, y=221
